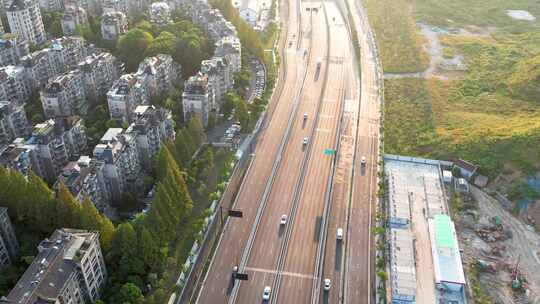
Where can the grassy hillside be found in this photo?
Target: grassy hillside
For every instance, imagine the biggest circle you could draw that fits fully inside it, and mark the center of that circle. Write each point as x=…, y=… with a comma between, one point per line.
x=399, y=44
x=490, y=115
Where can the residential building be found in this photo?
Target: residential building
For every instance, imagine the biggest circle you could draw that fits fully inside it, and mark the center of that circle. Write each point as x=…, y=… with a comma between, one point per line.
x=20, y=156
x=110, y=6
x=2, y=31
x=160, y=13
x=198, y=98
x=74, y=17
x=64, y=96
x=466, y=169
x=63, y=56
x=151, y=127
x=51, y=5
x=13, y=122
x=92, y=7
x=230, y=48
x=12, y=49
x=56, y=142
x=14, y=85
x=118, y=151
x=84, y=178
x=158, y=74
x=113, y=24
x=125, y=95
x=69, y=268
x=220, y=77
x=66, y=52
x=24, y=19
x=99, y=72
x=9, y=247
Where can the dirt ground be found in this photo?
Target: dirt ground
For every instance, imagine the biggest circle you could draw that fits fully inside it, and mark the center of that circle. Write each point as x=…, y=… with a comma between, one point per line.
x=524, y=245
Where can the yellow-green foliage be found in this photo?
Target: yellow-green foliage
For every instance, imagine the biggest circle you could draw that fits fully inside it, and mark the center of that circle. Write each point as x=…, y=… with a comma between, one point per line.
x=486, y=13
x=399, y=44
x=525, y=81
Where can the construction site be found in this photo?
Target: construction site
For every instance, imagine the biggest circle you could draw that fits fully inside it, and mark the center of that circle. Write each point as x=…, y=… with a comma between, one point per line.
x=425, y=259
x=450, y=241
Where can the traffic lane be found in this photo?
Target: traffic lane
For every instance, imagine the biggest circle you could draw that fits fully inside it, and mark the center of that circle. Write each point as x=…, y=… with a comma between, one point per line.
x=269, y=236
x=302, y=255
x=216, y=291
x=304, y=241
x=234, y=237
x=360, y=262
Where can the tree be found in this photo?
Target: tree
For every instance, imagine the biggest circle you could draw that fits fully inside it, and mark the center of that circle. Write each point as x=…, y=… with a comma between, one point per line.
x=68, y=211
x=52, y=21
x=165, y=43
x=241, y=114
x=132, y=47
x=125, y=249
x=129, y=294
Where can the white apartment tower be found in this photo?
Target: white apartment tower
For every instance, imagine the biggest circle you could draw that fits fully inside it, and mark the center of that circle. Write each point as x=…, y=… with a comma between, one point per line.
x=24, y=19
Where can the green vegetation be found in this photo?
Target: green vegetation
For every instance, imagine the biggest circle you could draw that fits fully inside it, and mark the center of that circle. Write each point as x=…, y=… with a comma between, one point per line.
x=398, y=42
x=52, y=21
x=36, y=213
x=479, y=294
x=464, y=13
x=489, y=114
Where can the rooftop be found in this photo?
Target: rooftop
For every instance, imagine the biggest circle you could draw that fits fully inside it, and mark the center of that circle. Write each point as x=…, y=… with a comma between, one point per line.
x=52, y=267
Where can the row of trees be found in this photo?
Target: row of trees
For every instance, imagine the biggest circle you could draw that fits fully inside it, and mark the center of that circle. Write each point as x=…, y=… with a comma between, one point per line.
x=33, y=205
x=146, y=247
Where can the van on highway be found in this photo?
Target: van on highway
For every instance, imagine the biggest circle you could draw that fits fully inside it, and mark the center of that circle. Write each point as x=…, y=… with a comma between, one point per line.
x=339, y=235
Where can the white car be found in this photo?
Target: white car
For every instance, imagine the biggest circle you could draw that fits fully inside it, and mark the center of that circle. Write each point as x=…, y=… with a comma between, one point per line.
x=266, y=293
x=363, y=161
x=306, y=140
x=283, y=219
x=305, y=116
x=327, y=284
x=339, y=235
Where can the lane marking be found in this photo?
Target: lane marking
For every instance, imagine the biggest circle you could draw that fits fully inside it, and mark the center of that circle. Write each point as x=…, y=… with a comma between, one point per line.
x=285, y=273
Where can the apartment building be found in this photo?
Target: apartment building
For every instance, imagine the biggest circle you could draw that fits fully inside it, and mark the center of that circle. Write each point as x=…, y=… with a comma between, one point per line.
x=220, y=77
x=198, y=98
x=74, y=16
x=64, y=95
x=113, y=24
x=12, y=49
x=14, y=85
x=160, y=13
x=69, y=268
x=125, y=95
x=118, y=150
x=54, y=143
x=20, y=156
x=13, y=122
x=92, y=7
x=51, y=5
x=84, y=178
x=158, y=74
x=24, y=19
x=63, y=55
x=230, y=48
x=151, y=127
x=109, y=6
x=9, y=247
x=99, y=72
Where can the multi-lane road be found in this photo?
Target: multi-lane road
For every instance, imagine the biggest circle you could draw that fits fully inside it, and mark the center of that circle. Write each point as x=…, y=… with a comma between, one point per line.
x=306, y=165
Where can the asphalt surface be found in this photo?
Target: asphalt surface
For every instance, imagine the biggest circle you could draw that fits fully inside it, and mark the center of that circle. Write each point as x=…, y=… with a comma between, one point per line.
x=304, y=181
x=217, y=284
x=359, y=264
x=271, y=236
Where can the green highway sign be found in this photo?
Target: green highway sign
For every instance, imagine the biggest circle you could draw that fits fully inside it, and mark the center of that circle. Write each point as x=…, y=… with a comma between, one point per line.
x=329, y=151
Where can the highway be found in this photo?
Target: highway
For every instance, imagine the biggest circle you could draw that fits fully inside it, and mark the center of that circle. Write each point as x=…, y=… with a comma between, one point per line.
x=271, y=237
x=360, y=252
x=320, y=186
x=217, y=285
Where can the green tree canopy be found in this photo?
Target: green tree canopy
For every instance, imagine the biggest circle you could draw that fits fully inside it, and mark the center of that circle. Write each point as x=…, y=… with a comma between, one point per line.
x=132, y=47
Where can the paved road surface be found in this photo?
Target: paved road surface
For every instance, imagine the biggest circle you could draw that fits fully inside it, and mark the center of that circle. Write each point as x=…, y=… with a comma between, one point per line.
x=217, y=284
